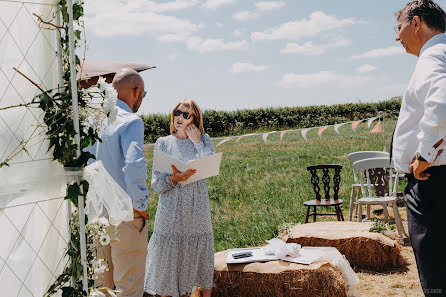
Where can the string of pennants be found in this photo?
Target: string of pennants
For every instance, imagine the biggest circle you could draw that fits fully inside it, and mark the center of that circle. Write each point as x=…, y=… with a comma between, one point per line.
x=376, y=129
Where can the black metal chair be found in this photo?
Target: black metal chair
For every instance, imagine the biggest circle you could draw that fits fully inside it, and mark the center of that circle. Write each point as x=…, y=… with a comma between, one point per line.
x=328, y=200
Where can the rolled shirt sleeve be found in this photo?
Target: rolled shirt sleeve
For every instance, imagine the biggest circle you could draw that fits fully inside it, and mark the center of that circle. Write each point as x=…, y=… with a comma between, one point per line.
x=433, y=123
x=135, y=169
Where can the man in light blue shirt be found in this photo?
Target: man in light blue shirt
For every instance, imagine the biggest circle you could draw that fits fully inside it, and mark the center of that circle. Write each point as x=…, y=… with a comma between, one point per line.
x=121, y=152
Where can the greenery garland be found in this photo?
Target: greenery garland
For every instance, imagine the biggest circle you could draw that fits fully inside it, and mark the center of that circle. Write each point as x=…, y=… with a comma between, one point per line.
x=56, y=106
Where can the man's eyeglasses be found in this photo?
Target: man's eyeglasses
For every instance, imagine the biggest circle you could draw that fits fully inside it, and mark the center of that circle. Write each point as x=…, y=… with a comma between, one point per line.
x=186, y=115
x=144, y=93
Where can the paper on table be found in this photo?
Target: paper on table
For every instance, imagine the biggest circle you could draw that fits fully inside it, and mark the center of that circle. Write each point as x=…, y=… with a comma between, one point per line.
x=206, y=167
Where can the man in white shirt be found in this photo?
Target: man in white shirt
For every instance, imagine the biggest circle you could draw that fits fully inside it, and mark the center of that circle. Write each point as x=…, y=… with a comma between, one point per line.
x=418, y=141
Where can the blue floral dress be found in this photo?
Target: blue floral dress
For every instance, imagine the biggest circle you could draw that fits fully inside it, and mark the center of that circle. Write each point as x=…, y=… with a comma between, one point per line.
x=181, y=249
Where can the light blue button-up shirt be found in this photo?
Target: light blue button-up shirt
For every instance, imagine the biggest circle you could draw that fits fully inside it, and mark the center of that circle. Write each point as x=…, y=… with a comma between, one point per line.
x=121, y=152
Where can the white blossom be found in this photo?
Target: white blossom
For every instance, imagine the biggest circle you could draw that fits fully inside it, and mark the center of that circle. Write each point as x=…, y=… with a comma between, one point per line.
x=101, y=83
x=104, y=239
x=112, y=115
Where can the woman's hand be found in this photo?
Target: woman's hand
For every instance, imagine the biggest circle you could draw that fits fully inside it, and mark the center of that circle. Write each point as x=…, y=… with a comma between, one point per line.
x=193, y=133
x=181, y=176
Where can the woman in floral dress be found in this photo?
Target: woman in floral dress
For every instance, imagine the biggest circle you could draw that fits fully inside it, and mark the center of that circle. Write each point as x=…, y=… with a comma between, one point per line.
x=181, y=249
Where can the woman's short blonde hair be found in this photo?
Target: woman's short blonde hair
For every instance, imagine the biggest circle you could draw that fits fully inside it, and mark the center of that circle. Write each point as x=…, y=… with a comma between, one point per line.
x=194, y=110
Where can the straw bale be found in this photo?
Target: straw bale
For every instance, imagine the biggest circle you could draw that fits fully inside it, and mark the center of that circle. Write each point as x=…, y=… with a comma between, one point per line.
x=363, y=249
x=276, y=279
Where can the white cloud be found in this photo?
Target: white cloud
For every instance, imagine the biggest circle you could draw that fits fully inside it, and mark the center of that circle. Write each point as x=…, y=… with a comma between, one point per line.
x=172, y=57
x=218, y=24
x=380, y=52
x=240, y=67
x=213, y=45
x=244, y=15
x=237, y=32
x=316, y=23
x=116, y=18
x=365, y=68
x=320, y=79
x=310, y=49
x=269, y=5
x=214, y=4
x=168, y=6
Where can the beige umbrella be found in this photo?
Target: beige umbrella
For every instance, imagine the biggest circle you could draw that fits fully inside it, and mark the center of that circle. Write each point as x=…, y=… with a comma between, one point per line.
x=92, y=70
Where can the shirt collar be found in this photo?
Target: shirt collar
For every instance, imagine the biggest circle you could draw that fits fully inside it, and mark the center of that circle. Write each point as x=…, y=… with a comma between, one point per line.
x=441, y=37
x=123, y=105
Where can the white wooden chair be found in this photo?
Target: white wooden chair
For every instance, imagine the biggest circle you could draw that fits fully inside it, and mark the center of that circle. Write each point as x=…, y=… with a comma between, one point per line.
x=381, y=179
x=356, y=187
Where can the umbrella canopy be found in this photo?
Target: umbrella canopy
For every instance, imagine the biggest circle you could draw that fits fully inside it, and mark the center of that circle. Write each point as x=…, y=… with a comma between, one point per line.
x=92, y=70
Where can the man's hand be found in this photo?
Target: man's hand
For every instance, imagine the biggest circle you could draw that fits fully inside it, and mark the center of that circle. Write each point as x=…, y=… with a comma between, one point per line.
x=181, y=176
x=144, y=214
x=193, y=133
x=418, y=167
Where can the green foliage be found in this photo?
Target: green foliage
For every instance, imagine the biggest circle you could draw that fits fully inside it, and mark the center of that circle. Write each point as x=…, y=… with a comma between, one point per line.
x=381, y=227
x=221, y=123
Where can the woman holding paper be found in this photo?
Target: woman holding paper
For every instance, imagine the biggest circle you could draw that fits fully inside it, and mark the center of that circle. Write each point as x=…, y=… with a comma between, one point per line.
x=181, y=249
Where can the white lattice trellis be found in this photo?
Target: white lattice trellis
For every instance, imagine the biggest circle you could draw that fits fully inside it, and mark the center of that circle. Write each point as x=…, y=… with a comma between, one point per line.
x=33, y=214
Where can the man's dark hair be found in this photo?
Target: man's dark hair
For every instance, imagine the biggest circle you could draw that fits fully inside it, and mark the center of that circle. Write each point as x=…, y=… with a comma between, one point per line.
x=428, y=11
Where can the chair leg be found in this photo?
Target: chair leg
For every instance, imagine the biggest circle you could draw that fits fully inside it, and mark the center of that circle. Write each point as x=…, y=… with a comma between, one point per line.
x=308, y=214
x=386, y=213
x=398, y=223
x=359, y=212
x=352, y=198
x=337, y=212
x=340, y=212
x=368, y=212
x=314, y=214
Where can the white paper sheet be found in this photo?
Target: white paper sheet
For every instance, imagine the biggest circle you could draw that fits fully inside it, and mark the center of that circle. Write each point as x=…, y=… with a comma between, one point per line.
x=205, y=167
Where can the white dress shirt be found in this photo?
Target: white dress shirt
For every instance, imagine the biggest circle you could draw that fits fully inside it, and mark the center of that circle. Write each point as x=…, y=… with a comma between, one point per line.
x=422, y=119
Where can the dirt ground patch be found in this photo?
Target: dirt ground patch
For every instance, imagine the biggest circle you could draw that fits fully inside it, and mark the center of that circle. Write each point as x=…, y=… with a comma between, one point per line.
x=397, y=282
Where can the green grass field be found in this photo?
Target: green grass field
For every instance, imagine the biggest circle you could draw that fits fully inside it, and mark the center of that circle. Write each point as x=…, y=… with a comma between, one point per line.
x=261, y=187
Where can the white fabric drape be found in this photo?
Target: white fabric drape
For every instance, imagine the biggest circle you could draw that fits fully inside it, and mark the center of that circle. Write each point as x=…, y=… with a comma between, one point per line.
x=33, y=214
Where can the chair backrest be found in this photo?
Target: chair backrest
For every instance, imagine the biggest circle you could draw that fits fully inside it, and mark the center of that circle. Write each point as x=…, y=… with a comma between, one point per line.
x=334, y=169
x=356, y=156
x=379, y=173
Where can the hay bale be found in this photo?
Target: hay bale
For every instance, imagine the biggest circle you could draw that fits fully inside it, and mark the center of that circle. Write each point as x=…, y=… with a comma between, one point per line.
x=276, y=279
x=363, y=249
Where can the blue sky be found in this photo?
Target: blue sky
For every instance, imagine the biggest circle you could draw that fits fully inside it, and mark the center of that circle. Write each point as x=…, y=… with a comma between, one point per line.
x=237, y=54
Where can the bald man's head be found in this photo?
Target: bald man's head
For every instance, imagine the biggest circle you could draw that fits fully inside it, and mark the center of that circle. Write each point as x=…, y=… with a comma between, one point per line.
x=130, y=87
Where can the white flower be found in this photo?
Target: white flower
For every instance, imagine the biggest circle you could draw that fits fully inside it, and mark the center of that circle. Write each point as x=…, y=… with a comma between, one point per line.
x=112, y=115
x=101, y=83
x=104, y=239
x=110, y=99
x=103, y=221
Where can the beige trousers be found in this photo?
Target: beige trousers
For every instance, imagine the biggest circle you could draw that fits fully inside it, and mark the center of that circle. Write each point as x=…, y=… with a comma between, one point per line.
x=126, y=257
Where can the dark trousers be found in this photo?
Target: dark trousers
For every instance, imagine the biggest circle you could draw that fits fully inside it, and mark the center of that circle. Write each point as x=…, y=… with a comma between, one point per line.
x=426, y=209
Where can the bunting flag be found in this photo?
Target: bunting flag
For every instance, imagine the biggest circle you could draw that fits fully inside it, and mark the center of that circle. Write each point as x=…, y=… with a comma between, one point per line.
x=321, y=129
x=355, y=125
x=224, y=140
x=304, y=133
x=370, y=121
x=337, y=126
x=265, y=136
x=377, y=129
x=281, y=134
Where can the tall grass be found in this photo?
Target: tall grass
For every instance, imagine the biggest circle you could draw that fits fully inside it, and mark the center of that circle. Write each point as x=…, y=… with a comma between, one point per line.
x=262, y=187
